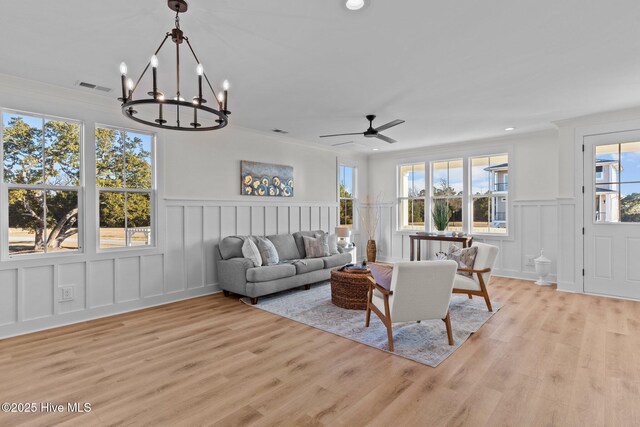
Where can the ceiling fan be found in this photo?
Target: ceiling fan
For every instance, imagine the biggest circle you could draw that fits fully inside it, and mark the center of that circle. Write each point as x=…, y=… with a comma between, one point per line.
x=372, y=132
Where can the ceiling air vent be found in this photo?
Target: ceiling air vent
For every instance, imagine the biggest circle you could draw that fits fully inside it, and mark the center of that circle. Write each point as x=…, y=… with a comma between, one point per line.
x=280, y=131
x=94, y=87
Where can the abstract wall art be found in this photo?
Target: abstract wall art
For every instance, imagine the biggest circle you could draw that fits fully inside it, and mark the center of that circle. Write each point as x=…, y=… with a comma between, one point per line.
x=265, y=179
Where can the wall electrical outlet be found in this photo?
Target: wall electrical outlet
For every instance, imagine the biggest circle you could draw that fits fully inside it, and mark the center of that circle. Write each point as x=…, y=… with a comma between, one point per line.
x=529, y=260
x=67, y=293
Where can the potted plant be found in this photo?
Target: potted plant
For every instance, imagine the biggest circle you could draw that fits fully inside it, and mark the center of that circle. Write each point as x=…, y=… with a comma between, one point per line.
x=440, y=216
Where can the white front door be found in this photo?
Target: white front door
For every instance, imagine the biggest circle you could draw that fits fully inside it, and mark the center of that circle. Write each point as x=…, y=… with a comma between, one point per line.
x=612, y=214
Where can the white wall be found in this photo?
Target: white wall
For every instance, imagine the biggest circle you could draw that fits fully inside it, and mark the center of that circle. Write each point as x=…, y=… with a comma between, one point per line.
x=533, y=183
x=198, y=202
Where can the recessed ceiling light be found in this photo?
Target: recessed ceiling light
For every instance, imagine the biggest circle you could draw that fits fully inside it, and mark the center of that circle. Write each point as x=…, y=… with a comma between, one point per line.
x=375, y=149
x=509, y=129
x=355, y=4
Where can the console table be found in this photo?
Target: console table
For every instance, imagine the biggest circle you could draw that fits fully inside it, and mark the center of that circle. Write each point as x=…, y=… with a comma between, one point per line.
x=415, y=255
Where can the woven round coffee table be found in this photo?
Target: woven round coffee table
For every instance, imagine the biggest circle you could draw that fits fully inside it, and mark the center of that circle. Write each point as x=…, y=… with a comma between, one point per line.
x=349, y=288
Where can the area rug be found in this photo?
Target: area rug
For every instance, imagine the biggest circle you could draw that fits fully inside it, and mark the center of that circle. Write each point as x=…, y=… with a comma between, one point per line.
x=424, y=342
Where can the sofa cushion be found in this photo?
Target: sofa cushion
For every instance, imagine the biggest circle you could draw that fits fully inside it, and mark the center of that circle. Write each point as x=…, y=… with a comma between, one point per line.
x=336, y=260
x=270, y=272
x=268, y=252
x=286, y=246
x=250, y=251
x=300, y=241
x=308, y=264
x=316, y=247
x=231, y=247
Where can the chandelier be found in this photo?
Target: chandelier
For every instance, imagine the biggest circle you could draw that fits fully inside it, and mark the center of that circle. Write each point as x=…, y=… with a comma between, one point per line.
x=173, y=111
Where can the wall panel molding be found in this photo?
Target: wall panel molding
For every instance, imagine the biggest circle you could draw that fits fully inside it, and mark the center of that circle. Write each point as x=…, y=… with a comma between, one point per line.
x=541, y=231
x=118, y=281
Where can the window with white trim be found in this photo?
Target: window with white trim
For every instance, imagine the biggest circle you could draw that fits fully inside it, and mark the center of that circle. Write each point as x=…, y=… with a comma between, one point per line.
x=411, y=197
x=125, y=184
x=489, y=193
x=447, y=188
x=42, y=181
x=346, y=194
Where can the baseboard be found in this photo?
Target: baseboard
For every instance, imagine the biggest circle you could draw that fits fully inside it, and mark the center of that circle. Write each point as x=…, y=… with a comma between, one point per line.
x=42, y=324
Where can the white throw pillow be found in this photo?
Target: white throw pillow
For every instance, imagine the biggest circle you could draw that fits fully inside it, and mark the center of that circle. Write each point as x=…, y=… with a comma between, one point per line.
x=333, y=243
x=250, y=250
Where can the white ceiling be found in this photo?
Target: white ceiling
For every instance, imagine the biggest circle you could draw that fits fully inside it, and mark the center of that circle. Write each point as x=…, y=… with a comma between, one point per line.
x=454, y=70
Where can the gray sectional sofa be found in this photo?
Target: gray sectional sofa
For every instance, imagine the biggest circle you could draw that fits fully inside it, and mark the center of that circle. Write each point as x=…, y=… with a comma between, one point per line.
x=238, y=275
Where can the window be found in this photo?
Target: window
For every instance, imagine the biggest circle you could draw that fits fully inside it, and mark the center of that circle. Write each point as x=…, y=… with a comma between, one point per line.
x=411, y=199
x=617, y=190
x=447, y=188
x=599, y=173
x=489, y=194
x=41, y=159
x=347, y=195
x=124, y=177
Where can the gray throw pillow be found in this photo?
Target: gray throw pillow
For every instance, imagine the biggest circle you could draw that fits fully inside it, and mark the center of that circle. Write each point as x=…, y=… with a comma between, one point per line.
x=267, y=251
x=332, y=241
x=464, y=257
x=316, y=247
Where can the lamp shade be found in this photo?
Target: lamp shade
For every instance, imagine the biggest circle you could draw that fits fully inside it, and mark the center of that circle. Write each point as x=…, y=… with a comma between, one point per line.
x=343, y=231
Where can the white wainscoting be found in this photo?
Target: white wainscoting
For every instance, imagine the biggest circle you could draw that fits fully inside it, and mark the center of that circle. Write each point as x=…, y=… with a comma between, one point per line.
x=195, y=227
x=182, y=267
x=570, y=261
x=534, y=225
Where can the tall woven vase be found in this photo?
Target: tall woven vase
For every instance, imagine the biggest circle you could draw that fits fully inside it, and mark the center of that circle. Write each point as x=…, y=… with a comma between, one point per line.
x=371, y=251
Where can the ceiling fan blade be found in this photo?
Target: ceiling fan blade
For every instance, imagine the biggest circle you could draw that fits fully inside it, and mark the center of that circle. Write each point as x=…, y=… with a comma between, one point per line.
x=341, y=143
x=341, y=134
x=386, y=139
x=391, y=124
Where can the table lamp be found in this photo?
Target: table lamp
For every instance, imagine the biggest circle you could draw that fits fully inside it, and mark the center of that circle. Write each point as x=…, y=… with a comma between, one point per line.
x=343, y=233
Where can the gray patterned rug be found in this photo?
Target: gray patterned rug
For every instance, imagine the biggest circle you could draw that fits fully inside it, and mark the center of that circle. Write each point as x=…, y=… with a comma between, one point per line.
x=424, y=342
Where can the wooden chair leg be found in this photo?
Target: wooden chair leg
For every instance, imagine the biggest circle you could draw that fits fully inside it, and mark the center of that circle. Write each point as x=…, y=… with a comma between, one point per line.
x=226, y=293
x=447, y=322
x=367, y=318
x=254, y=301
x=485, y=294
x=387, y=322
x=470, y=296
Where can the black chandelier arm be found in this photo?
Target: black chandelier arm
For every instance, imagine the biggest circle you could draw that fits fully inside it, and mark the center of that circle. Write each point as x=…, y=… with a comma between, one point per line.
x=149, y=64
x=128, y=111
x=215, y=95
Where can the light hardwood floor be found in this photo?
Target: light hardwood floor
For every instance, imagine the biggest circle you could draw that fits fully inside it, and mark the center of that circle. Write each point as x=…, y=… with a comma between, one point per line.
x=546, y=358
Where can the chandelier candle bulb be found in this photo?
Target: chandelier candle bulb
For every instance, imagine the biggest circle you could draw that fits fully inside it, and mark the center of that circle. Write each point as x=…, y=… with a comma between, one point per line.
x=225, y=86
x=130, y=87
x=154, y=70
x=123, y=78
x=200, y=72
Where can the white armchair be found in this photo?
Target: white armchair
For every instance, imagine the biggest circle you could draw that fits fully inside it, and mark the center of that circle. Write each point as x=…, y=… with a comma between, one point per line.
x=480, y=274
x=420, y=290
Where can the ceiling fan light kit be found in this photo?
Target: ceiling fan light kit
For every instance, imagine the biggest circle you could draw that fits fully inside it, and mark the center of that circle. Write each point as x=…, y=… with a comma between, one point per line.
x=220, y=113
x=355, y=4
x=372, y=132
